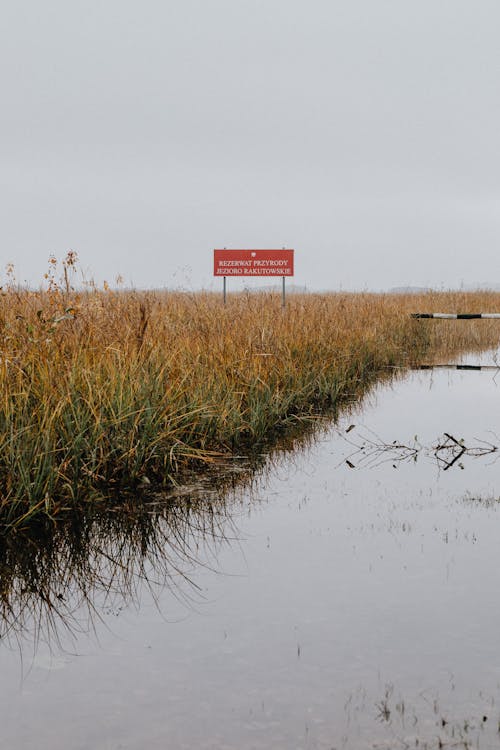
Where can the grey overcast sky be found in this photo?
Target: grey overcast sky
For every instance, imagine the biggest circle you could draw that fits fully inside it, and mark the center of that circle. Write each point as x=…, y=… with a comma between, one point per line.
x=363, y=133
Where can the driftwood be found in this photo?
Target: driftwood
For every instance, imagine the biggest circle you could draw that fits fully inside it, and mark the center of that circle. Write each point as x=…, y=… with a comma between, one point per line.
x=370, y=450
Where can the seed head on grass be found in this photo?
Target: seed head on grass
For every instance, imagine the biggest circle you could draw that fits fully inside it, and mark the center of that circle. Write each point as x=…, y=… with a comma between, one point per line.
x=106, y=387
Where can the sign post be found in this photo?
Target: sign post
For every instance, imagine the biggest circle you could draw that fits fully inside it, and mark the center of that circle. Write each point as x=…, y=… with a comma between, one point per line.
x=254, y=263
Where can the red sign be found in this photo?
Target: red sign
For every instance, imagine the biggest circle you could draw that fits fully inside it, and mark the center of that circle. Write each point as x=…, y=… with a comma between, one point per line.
x=253, y=262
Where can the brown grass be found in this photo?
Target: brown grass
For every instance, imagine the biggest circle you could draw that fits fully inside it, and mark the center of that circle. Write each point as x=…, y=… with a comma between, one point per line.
x=102, y=389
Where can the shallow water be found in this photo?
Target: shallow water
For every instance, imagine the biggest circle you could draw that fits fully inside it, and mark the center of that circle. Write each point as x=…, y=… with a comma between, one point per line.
x=335, y=605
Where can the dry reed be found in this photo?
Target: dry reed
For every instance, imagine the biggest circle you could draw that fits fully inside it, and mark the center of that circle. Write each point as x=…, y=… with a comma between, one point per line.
x=103, y=389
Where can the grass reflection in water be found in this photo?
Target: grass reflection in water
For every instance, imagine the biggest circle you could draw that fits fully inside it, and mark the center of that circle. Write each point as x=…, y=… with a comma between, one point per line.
x=59, y=580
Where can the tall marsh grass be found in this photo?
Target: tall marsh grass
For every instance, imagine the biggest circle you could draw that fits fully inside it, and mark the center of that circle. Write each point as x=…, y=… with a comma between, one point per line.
x=102, y=390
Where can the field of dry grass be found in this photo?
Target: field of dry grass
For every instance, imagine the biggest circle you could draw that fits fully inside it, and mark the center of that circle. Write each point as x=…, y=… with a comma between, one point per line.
x=101, y=390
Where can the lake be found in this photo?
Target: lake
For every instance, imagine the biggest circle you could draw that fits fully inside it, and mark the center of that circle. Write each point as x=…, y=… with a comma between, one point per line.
x=346, y=597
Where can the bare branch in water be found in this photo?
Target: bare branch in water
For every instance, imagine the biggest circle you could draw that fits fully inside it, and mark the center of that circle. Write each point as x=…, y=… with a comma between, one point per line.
x=370, y=450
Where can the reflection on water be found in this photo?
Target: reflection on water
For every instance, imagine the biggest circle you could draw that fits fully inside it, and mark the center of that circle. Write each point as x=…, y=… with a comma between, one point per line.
x=447, y=451
x=58, y=581
x=347, y=598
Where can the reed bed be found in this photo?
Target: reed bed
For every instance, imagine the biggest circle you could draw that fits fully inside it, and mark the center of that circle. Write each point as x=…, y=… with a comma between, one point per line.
x=103, y=390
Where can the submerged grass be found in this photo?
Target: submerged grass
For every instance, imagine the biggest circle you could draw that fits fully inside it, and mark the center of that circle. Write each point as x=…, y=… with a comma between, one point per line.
x=103, y=389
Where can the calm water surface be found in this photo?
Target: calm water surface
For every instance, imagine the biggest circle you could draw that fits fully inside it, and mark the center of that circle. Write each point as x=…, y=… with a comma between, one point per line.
x=349, y=599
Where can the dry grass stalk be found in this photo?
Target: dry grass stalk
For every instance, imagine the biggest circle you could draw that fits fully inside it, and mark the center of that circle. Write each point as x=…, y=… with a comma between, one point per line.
x=102, y=387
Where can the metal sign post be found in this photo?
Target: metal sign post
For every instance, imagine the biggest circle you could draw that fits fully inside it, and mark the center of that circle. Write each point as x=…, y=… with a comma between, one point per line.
x=283, y=294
